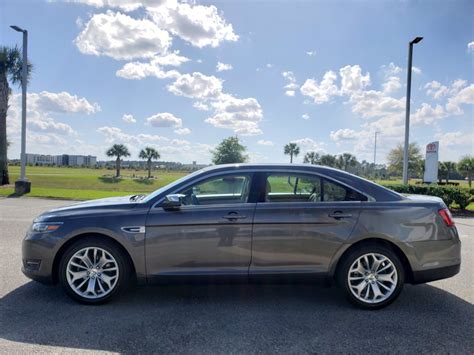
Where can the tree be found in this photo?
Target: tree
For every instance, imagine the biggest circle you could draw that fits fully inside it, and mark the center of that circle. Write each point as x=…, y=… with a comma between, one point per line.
x=149, y=154
x=311, y=158
x=395, y=160
x=447, y=167
x=118, y=150
x=229, y=151
x=346, y=160
x=328, y=160
x=466, y=166
x=10, y=70
x=292, y=150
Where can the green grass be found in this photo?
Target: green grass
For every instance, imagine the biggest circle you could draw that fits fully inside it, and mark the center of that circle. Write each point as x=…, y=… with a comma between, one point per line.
x=84, y=184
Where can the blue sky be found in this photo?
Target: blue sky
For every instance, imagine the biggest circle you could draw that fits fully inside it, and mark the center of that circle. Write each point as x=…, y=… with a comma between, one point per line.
x=324, y=74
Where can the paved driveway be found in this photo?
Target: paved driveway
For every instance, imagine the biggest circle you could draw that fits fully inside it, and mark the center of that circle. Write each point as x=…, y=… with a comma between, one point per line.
x=433, y=318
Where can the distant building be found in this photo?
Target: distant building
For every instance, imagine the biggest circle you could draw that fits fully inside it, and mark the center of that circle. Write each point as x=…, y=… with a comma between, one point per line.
x=61, y=160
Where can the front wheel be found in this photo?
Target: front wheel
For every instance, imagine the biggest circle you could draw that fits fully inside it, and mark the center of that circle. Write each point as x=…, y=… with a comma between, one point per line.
x=372, y=276
x=93, y=271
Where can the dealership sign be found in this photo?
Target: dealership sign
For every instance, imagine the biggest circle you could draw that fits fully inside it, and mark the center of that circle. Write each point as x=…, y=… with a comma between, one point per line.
x=431, y=162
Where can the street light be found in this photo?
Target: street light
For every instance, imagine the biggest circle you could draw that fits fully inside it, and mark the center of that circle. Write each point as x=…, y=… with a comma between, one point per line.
x=407, y=116
x=22, y=185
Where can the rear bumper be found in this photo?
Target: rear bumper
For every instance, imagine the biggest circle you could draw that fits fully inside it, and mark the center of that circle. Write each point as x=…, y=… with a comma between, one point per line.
x=435, y=274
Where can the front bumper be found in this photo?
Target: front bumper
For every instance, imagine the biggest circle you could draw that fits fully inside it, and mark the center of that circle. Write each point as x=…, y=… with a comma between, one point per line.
x=38, y=251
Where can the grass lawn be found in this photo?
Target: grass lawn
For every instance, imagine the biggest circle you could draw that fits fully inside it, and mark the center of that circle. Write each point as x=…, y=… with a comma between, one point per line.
x=85, y=184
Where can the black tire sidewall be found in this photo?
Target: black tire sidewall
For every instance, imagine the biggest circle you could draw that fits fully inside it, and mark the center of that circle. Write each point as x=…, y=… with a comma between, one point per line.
x=356, y=253
x=122, y=262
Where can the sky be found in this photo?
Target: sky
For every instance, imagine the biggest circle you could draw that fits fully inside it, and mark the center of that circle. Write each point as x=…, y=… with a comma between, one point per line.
x=181, y=76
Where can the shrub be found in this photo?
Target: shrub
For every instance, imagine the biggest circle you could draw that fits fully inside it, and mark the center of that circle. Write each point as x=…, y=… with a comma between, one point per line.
x=449, y=194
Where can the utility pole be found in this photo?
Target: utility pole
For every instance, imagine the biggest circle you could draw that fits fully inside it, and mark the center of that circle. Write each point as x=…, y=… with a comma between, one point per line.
x=22, y=185
x=407, y=115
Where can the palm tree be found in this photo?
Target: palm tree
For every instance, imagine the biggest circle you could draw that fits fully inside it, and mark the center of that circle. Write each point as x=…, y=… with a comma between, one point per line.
x=149, y=154
x=346, y=160
x=292, y=149
x=118, y=150
x=328, y=160
x=466, y=166
x=311, y=158
x=448, y=167
x=10, y=69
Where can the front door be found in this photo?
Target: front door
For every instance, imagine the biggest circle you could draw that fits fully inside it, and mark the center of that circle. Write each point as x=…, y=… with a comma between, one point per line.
x=300, y=222
x=210, y=234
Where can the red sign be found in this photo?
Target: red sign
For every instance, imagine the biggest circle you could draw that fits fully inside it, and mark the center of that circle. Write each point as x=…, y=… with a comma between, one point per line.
x=431, y=148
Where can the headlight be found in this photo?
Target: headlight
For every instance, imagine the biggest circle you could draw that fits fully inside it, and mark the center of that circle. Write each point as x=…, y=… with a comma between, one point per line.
x=46, y=227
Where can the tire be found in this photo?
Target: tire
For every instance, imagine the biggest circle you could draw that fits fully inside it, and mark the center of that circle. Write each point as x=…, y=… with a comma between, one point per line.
x=364, y=289
x=97, y=278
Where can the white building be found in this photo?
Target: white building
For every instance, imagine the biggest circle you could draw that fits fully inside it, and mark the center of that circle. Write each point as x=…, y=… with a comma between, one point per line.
x=61, y=160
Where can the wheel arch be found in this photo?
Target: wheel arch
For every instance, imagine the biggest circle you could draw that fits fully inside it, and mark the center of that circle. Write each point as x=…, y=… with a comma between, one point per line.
x=71, y=241
x=381, y=242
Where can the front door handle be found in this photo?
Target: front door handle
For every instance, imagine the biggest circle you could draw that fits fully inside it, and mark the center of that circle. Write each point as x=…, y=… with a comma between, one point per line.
x=339, y=215
x=234, y=217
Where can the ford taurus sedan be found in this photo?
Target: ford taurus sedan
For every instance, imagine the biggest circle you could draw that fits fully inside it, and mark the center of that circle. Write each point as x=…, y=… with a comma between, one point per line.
x=248, y=222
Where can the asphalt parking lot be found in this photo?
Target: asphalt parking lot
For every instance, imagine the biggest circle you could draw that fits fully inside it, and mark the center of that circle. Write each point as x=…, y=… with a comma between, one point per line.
x=433, y=318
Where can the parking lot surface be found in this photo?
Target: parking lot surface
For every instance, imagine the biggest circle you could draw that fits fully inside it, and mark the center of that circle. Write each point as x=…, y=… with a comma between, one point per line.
x=216, y=319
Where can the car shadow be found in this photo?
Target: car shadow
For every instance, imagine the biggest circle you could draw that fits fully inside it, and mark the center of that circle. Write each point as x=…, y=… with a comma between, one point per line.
x=238, y=319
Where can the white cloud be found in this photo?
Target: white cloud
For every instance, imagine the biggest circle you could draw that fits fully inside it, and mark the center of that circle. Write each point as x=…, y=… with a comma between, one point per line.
x=352, y=79
x=416, y=70
x=291, y=85
x=269, y=65
x=182, y=131
x=344, y=134
x=128, y=118
x=197, y=85
x=116, y=135
x=308, y=144
x=391, y=69
x=311, y=53
x=138, y=71
x=427, y=114
x=463, y=97
x=447, y=139
x=164, y=119
x=240, y=115
x=323, y=91
x=126, y=5
x=470, y=47
x=223, y=67
x=61, y=102
x=391, y=85
x=305, y=116
x=436, y=90
x=120, y=36
x=265, y=142
x=201, y=106
x=197, y=24
x=373, y=103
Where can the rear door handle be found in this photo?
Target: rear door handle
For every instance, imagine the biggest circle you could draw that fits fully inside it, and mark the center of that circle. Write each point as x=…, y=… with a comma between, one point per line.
x=339, y=215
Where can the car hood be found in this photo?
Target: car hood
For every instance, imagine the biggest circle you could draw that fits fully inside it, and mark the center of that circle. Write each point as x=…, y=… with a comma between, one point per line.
x=91, y=206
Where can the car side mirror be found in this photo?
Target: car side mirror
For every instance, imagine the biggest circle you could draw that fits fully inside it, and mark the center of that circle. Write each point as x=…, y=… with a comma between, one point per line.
x=172, y=202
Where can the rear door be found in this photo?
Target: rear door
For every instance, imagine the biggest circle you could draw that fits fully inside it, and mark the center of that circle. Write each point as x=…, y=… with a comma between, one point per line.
x=300, y=221
x=211, y=232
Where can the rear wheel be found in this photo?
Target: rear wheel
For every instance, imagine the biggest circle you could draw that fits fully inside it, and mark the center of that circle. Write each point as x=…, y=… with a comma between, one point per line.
x=372, y=276
x=94, y=270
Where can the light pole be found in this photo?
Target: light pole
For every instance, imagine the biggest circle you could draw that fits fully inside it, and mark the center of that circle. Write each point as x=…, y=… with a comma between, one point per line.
x=375, y=152
x=22, y=185
x=407, y=115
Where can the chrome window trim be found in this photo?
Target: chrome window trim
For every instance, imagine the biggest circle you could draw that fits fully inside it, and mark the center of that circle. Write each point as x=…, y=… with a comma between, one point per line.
x=275, y=170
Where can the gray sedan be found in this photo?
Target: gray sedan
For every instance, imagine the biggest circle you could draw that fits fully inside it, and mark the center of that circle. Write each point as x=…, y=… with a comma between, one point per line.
x=278, y=223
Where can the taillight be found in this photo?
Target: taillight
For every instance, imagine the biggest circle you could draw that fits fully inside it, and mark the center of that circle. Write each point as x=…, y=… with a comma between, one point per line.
x=446, y=216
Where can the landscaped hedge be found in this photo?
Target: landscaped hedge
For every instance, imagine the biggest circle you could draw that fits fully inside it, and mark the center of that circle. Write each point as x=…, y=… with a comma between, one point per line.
x=459, y=195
